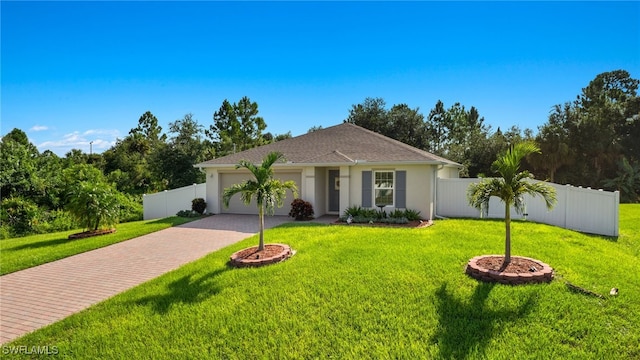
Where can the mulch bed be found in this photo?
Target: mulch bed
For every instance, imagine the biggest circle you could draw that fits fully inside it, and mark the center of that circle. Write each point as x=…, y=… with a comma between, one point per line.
x=521, y=270
x=517, y=265
x=251, y=257
x=410, y=224
x=252, y=253
x=91, y=233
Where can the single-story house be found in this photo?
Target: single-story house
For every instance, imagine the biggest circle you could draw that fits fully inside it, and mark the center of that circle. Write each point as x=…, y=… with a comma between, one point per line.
x=338, y=167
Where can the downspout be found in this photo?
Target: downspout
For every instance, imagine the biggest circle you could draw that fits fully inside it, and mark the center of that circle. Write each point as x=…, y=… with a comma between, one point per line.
x=435, y=190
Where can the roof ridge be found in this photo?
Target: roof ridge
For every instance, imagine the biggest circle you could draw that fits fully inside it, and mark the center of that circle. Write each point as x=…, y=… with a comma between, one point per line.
x=413, y=149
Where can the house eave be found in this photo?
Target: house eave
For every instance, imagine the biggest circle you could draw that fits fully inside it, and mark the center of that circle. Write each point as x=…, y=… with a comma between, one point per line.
x=339, y=164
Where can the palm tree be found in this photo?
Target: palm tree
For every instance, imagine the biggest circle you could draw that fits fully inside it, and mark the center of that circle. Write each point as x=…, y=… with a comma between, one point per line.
x=510, y=187
x=267, y=191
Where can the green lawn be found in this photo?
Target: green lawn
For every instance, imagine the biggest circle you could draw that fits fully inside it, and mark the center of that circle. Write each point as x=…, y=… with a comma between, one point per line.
x=25, y=252
x=359, y=292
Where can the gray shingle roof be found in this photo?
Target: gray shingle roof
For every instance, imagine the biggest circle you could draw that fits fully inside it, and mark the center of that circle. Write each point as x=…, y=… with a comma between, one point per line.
x=340, y=144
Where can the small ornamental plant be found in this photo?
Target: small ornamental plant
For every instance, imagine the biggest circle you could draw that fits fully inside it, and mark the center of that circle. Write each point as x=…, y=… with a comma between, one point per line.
x=198, y=205
x=301, y=210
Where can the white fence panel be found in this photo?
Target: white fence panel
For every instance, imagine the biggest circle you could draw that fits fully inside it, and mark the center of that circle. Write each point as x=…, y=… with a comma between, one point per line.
x=586, y=210
x=451, y=200
x=169, y=202
x=593, y=211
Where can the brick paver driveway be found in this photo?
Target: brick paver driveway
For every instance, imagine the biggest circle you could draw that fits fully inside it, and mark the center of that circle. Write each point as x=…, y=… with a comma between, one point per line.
x=35, y=297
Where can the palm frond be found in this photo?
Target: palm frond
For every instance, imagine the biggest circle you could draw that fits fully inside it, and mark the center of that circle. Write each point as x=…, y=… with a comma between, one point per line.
x=508, y=164
x=275, y=192
x=480, y=193
x=246, y=189
x=266, y=190
x=546, y=191
x=271, y=159
x=247, y=165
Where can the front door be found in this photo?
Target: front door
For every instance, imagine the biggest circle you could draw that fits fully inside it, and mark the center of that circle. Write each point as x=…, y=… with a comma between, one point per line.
x=334, y=190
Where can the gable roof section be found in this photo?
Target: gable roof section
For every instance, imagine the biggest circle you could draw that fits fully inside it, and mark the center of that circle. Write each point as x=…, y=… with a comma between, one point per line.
x=344, y=144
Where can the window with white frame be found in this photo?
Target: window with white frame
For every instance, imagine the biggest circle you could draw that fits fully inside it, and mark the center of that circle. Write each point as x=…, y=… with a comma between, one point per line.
x=383, y=188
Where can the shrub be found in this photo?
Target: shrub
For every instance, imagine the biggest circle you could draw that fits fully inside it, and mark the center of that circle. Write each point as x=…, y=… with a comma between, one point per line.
x=187, y=213
x=353, y=211
x=94, y=205
x=54, y=220
x=130, y=207
x=5, y=232
x=361, y=215
x=19, y=215
x=61, y=220
x=198, y=205
x=412, y=215
x=381, y=214
x=301, y=210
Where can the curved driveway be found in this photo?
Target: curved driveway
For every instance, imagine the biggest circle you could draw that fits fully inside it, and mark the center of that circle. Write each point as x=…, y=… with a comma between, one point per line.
x=38, y=296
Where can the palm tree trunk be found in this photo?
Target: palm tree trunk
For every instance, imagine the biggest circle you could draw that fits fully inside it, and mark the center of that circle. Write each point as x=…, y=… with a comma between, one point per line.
x=261, y=215
x=507, y=242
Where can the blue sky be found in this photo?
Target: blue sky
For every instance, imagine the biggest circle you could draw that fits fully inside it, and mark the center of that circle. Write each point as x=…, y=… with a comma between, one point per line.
x=75, y=72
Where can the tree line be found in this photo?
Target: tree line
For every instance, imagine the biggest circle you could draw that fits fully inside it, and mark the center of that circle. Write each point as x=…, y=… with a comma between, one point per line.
x=591, y=141
x=40, y=191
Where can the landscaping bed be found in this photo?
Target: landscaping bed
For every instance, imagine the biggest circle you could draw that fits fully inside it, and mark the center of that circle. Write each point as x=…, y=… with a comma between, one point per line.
x=520, y=270
x=409, y=224
x=90, y=233
x=251, y=257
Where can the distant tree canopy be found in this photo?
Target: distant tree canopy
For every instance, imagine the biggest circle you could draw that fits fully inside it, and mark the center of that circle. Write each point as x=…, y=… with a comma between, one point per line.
x=34, y=186
x=455, y=133
x=236, y=127
x=174, y=160
x=400, y=122
x=594, y=141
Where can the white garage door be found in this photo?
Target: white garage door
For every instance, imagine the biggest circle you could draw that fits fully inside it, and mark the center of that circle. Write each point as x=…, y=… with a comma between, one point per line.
x=236, y=206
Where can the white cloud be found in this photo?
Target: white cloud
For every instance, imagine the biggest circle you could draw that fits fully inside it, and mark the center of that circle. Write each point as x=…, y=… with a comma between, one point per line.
x=95, y=140
x=113, y=133
x=39, y=128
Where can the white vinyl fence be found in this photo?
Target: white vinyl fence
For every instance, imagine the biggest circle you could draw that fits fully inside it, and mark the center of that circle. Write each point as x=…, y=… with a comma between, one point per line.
x=585, y=210
x=168, y=203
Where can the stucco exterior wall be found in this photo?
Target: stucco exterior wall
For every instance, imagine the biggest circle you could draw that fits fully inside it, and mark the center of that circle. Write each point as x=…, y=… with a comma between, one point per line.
x=419, y=186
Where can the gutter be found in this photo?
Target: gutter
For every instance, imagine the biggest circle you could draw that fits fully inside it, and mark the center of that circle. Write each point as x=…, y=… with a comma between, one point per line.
x=333, y=164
